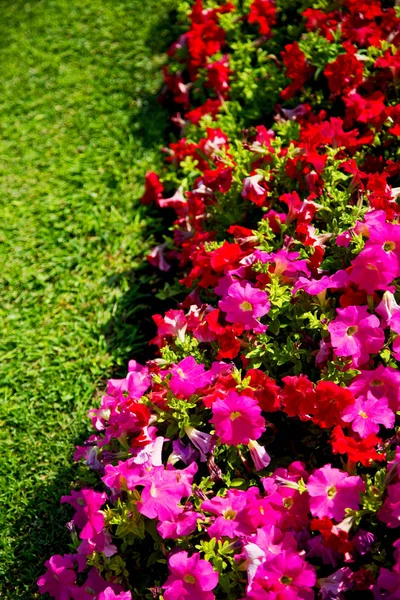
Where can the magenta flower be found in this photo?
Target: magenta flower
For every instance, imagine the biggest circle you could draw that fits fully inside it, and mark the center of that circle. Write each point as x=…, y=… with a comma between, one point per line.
x=367, y=413
x=60, y=577
x=162, y=494
x=237, y=419
x=384, y=382
x=390, y=511
x=387, y=585
x=373, y=270
x=232, y=519
x=286, y=576
x=356, y=333
x=183, y=524
x=87, y=517
x=188, y=377
x=332, y=491
x=243, y=303
x=109, y=594
x=191, y=578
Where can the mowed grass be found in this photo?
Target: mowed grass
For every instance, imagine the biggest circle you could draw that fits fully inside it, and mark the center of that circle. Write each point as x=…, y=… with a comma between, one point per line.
x=79, y=126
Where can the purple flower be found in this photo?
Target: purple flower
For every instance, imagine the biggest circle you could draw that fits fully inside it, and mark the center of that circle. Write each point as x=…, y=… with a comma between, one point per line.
x=363, y=541
x=356, y=333
x=191, y=578
x=367, y=413
x=187, y=454
x=332, y=491
x=204, y=442
x=333, y=587
x=188, y=377
x=243, y=303
x=387, y=585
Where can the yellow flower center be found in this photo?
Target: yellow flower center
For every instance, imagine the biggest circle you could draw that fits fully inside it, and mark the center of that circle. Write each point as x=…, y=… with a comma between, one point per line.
x=246, y=306
x=377, y=382
x=189, y=579
x=352, y=330
x=288, y=502
x=234, y=415
x=363, y=414
x=286, y=580
x=331, y=492
x=389, y=246
x=229, y=514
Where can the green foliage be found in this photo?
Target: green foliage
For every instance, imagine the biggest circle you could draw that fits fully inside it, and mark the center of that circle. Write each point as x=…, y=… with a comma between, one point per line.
x=129, y=522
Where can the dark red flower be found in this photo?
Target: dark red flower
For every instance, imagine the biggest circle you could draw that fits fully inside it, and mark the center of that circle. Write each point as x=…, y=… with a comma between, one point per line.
x=298, y=397
x=264, y=390
x=210, y=107
x=263, y=12
x=331, y=399
x=344, y=74
x=219, y=179
x=154, y=189
x=225, y=257
x=362, y=451
x=297, y=69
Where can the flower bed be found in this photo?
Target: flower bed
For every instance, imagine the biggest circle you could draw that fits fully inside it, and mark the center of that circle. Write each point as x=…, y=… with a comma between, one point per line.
x=257, y=456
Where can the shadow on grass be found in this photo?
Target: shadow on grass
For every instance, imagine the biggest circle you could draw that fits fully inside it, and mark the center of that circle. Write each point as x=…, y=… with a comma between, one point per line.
x=34, y=541
x=127, y=335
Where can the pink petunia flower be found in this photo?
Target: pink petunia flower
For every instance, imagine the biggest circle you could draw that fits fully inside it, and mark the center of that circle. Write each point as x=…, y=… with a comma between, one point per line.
x=87, y=517
x=243, y=304
x=182, y=525
x=260, y=456
x=163, y=491
x=390, y=511
x=356, y=333
x=367, y=413
x=191, y=578
x=384, y=382
x=237, y=419
x=232, y=520
x=285, y=575
x=109, y=594
x=373, y=270
x=60, y=577
x=332, y=491
x=188, y=377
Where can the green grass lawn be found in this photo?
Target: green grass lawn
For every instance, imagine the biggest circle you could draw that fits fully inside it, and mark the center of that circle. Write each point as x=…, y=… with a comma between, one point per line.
x=79, y=126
